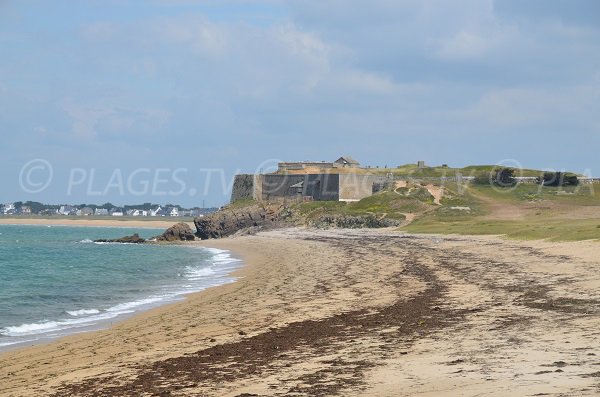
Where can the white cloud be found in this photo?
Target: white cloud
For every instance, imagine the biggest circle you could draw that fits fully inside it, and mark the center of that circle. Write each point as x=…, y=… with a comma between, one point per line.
x=196, y=32
x=91, y=123
x=464, y=45
x=518, y=107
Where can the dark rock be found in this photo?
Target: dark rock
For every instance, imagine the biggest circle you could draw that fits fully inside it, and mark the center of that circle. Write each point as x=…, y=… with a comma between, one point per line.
x=178, y=232
x=236, y=221
x=135, y=239
x=229, y=221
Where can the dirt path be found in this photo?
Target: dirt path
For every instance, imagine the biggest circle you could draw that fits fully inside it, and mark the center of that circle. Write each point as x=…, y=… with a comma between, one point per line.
x=437, y=192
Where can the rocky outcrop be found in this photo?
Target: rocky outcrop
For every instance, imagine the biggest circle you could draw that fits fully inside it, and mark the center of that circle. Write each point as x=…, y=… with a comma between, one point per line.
x=178, y=232
x=135, y=239
x=234, y=220
x=230, y=220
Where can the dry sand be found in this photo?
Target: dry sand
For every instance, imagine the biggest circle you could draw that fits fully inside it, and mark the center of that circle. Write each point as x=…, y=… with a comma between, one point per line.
x=107, y=222
x=353, y=313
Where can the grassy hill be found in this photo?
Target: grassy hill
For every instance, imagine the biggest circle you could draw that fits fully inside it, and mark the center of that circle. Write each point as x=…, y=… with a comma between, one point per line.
x=523, y=212
x=412, y=170
x=526, y=211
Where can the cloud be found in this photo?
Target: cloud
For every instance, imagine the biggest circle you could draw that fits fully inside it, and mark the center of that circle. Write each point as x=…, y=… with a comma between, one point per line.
x=92, y=123
x=236, y=82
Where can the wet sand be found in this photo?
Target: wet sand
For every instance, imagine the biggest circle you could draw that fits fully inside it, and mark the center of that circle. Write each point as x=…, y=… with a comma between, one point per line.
x=353, y=313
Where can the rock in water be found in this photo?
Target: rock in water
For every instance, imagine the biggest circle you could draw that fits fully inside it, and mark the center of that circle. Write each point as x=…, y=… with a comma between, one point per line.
x=135, y=239
x=178, y=232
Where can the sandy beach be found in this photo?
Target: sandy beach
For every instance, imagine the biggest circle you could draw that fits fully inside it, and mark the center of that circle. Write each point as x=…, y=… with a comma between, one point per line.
x=353, y=313
x=106, y=222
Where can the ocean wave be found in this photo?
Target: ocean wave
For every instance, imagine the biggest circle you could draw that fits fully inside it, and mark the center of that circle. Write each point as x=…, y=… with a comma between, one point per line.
x=46, y=327
x=86, y=241
x=14, y=342
x=84, y=318
x=83, y=312
x=28, y=329
x=129, y=307
x=194, y=274
x=210, y=272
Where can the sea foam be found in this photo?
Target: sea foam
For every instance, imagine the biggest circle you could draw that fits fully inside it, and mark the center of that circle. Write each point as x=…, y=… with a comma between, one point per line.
x=83, y=312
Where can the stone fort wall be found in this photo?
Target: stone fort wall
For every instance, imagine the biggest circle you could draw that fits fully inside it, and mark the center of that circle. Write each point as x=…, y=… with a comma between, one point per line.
x=321, y=187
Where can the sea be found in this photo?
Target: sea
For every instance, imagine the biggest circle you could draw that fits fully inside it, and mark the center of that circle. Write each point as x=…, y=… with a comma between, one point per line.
x=55, y=281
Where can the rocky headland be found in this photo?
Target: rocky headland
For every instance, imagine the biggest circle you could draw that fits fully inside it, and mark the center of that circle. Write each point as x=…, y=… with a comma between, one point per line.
x=257, y=216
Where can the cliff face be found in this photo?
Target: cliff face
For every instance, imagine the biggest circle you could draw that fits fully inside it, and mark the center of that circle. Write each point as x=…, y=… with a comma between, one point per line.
x=230, y=220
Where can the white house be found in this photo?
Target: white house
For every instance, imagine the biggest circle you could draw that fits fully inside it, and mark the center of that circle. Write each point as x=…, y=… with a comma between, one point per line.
x=174, y=212
x=67, y=210
x=8, y=208
x=157, y=212
x=137, y=213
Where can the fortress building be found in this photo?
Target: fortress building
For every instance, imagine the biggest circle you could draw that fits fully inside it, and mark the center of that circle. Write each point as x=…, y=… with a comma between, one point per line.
x=341, y=180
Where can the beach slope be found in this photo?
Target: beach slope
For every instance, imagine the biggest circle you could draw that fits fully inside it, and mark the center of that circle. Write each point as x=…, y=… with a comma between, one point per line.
x=363, y=313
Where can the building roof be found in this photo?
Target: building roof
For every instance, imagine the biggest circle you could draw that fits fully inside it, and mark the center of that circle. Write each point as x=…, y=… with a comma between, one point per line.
x=347, y=160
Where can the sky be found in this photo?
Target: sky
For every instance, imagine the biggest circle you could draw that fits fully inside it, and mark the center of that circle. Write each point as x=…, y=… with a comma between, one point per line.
x=166, y=100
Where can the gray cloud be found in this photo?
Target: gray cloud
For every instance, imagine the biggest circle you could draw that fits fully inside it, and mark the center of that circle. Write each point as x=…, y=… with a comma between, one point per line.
x=389, y=83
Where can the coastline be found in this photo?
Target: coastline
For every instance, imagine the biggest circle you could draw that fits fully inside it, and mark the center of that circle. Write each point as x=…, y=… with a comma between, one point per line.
x=108, y=222
x=216, y=271
x=366, y=312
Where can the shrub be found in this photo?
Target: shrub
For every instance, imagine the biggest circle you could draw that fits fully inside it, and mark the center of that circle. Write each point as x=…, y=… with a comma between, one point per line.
x=558, y=179
x=502, y=177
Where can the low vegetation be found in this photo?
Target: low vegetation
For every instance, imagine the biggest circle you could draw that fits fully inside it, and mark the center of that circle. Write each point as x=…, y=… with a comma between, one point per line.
x=393, y=205
x=554, y=206
x=523, y=212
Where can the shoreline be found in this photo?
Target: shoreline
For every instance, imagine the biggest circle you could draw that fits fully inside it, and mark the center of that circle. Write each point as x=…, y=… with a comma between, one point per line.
x=225, y=267
x=357, y=312
x=116, y=223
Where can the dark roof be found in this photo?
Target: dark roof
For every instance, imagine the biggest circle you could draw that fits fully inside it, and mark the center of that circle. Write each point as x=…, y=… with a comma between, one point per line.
x=347, y=160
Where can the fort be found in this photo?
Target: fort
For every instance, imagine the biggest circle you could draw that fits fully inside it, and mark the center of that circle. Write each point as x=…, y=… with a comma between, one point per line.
x=307, y=181
x=345, y=180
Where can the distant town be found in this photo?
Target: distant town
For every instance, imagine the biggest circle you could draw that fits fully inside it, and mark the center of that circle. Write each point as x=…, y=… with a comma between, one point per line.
x=142, y=210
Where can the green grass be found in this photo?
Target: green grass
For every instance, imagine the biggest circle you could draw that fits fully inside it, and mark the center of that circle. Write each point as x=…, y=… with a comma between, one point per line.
x=412, y=170
x=553, y=219
x=532, y=228
x=582, y=195
x=474, y=170
x=388, y=204
x=545, y=212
